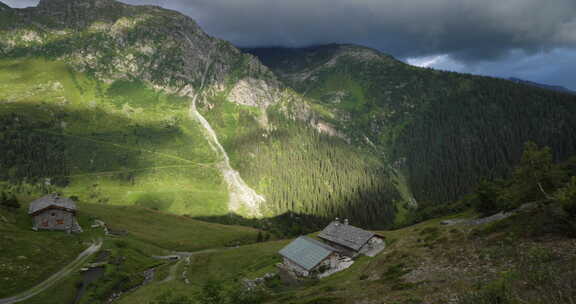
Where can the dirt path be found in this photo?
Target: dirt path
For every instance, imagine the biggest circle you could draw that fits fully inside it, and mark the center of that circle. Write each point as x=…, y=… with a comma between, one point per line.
x=242, y=197
x=55, y=278
x=184, y=256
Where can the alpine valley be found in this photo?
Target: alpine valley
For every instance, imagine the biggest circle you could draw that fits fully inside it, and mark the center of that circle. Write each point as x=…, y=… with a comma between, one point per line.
x=189, y=144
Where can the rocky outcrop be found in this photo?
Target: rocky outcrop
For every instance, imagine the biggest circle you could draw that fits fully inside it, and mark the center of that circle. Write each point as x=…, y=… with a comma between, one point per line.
x=113, y=40
x=253, y=92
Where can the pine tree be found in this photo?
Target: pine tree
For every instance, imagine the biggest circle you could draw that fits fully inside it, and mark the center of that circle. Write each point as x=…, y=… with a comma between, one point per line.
x=259, y=238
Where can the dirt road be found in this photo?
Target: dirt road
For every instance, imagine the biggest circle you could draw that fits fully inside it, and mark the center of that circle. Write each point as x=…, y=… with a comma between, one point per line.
x=55, y=278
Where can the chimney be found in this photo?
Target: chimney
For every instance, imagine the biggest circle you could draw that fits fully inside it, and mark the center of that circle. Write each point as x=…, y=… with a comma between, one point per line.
x=345, y=221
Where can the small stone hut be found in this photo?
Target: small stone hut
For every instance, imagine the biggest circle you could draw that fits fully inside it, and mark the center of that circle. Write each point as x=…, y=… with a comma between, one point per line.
x=53, y=212
x=307, y=257
x=350, y=240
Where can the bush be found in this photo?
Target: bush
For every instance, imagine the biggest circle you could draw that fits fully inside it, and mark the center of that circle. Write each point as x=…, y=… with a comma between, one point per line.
x=121, y=244
x=486, y=199
x=567, y=197
x=9, y=201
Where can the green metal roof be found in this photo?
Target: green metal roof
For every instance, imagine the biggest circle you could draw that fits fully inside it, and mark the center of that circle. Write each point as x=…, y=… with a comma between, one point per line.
x=306, y=252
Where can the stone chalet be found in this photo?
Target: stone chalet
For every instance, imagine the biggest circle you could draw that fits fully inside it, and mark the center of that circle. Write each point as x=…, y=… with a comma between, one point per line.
x=53, y=212
x=351, y=241
x=307, y=257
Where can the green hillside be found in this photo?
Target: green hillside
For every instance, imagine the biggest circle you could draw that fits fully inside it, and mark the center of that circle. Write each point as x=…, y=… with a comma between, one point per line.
x=119, y=144
x=29, y=257
x=424, y=263
x=95, y=102
x=441, y=131
x=301, y=170
x=115, y=140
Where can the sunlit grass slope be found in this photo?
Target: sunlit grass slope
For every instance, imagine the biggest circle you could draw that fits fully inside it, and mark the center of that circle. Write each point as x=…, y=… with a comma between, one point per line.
x=118, y=143
x=28, y=257
x=168, y=231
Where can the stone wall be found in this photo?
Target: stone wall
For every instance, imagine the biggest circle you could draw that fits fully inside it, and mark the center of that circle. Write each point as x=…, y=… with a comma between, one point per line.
x=293, y=267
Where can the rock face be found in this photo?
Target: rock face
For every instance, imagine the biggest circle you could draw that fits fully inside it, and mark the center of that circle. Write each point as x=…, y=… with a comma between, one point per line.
x=112, y=40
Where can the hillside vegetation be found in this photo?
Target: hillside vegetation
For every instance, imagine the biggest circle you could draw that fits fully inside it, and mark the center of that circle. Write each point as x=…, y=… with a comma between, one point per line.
x=301, y=170
x=28, y=258
x=442, y=132
x=525, y=258
x=119, y=143
x=95, y=98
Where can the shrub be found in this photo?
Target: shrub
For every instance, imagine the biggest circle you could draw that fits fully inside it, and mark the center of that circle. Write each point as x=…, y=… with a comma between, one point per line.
x=9, y=201
x=121, y=244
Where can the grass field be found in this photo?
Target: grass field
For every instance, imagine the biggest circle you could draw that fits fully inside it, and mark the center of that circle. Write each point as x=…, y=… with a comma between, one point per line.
x=120, y=143
x=425, y=263
x=168, y=231
x=28, y=257
x=228, y=266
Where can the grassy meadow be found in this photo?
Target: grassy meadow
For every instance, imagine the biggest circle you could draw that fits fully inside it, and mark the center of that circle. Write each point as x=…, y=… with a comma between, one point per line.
x=118, y=143
x=28, y=257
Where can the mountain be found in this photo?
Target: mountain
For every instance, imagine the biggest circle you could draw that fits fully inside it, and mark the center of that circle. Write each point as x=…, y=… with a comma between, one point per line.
x=543, y=86
x=4, y=6
x=116, y=86
x=441, y=132
x=120, y=104
x=136, y=105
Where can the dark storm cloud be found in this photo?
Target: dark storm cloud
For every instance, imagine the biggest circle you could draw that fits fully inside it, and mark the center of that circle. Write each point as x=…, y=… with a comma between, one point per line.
x=466, y=29
x=494, y=37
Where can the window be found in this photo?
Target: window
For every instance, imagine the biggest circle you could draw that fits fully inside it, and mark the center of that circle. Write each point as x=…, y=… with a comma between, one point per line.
x=59, y=222
x=53, y=214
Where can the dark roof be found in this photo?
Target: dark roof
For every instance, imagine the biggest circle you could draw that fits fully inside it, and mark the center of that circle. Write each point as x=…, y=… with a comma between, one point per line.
x=306, y=252
x=346, y=235
x=51, y=200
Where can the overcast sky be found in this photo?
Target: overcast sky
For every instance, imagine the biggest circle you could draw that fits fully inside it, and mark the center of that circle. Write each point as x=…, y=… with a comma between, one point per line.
x=529, y=39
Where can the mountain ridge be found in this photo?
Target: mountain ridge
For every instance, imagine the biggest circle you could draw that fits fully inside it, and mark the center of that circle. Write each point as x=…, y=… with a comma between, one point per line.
x=4, y=6
x=543, y=86
x=329, y=131
x=111, y=41
x=387, y=103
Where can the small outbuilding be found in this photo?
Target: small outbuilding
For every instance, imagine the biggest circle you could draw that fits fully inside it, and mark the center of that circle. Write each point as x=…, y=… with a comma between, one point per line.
x=307, y=257
x=352, y=241
x=53, y=212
